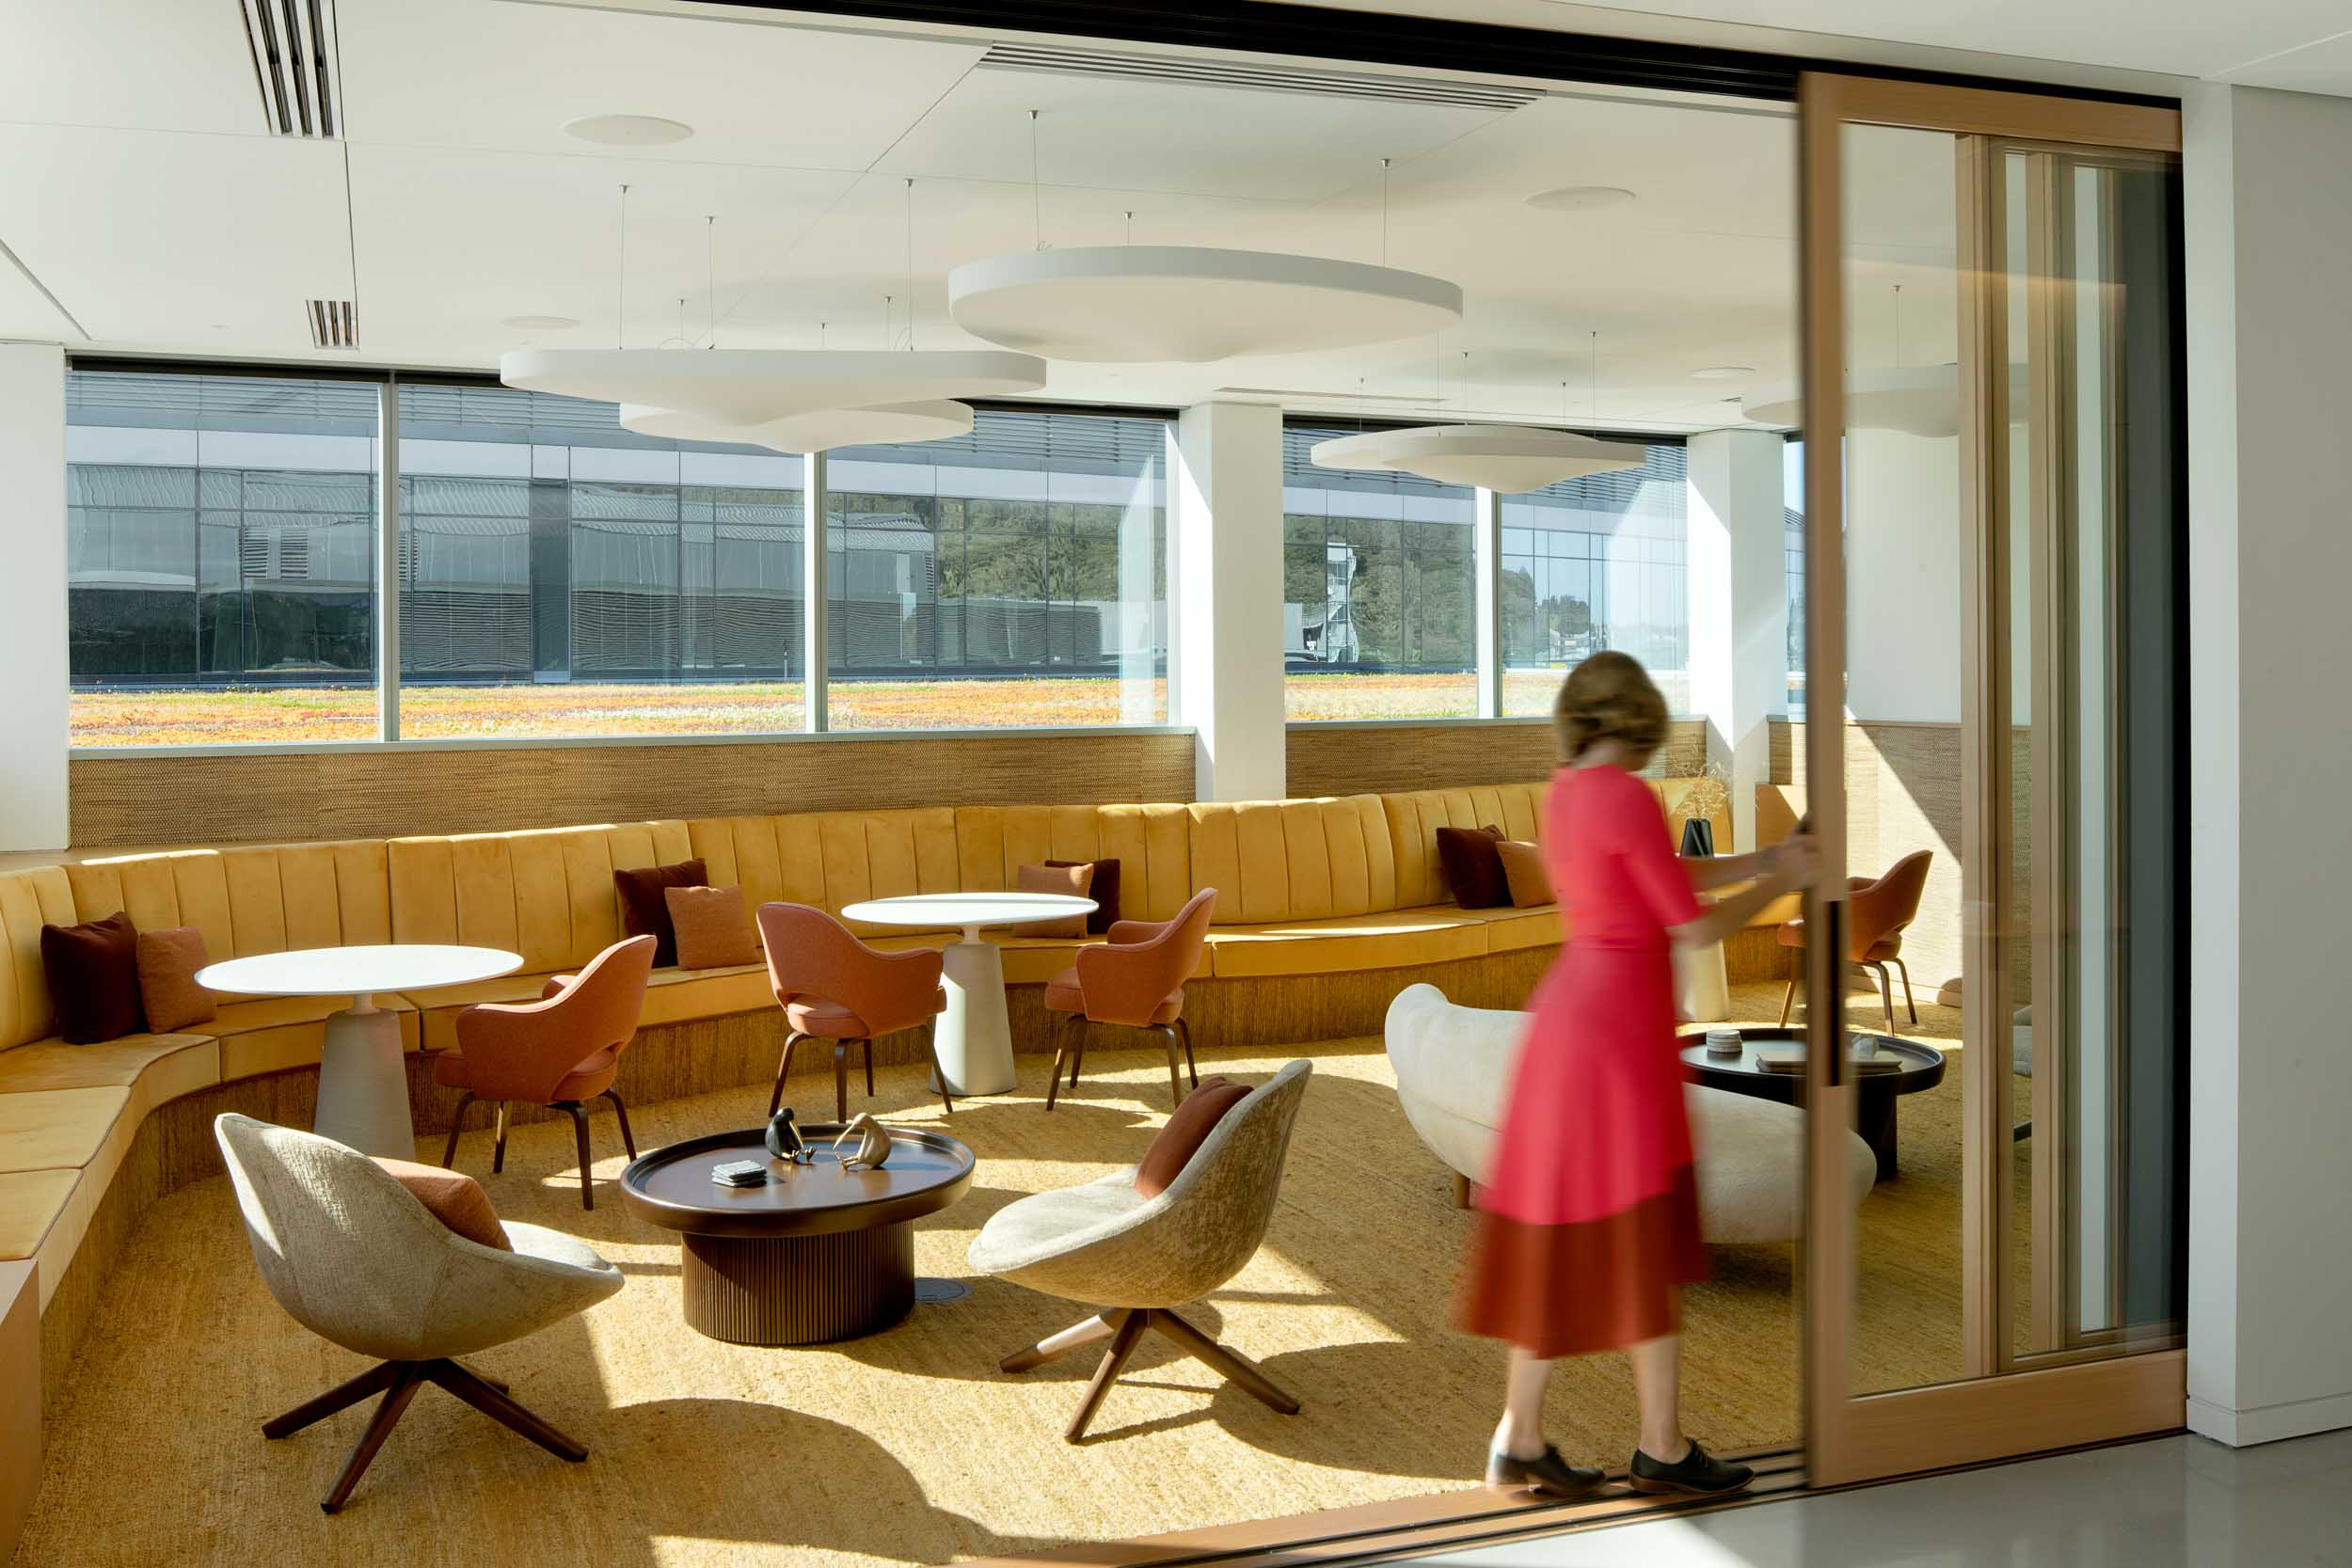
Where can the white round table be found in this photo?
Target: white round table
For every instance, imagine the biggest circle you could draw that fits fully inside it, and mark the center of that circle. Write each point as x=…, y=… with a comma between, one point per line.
x=363, y=1088
x=973, y=1042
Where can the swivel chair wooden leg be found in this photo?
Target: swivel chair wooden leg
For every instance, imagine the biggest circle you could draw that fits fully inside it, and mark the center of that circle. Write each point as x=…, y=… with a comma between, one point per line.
x=628, y=1139
x=1124, y=1328
x=398, y=1382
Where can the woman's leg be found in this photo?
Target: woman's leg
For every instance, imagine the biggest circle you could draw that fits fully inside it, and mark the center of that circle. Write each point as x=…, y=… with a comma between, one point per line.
x=1658, y=1392
x=1520, y=1433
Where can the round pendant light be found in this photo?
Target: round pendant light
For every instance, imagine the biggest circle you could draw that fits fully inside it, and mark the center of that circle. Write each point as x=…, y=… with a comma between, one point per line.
x=1508, y=459
x=1190, y=304
x=821, y=430
x=1918, y=400
x=741, y=388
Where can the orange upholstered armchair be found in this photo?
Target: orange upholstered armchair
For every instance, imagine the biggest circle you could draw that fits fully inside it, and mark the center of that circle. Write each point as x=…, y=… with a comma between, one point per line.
x=1136, y=979
x=1876, y=914
x=560, y=1051
x=832, y=987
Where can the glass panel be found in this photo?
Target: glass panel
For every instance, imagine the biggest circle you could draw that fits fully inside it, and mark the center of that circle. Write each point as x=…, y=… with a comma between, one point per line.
x=1015, y=575
x=1593, y=563
x=563, y=577
x=221, y=563
x=1379, y=592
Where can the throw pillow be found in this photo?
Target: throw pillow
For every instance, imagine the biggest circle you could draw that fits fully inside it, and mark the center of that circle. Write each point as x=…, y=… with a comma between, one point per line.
x=1523, y=871
x=167, y=962
x=1104, y=890
x=643, y=910
x=1070, y=880
x=93, y=972
x=1186, y=1131
x=1473, y=869
x=712, y=929
x=452, y=1197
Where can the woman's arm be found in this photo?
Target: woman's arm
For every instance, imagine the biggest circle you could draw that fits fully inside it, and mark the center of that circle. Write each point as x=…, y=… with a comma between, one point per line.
x=1792, y=866
x=1714, y=871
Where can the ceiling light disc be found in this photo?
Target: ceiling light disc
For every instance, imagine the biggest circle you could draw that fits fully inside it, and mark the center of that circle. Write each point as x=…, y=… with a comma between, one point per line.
x=1190, y=304
x=741, y=387
x=1360, y=453
x=1916, y=400
x=541, y=324
x=1508, y=459
x=819, y=429
x=629, y=130
x=1722, y=372
x=1580, y=199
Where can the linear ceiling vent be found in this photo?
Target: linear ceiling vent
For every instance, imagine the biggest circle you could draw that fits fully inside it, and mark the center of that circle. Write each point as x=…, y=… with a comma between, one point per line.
x=334, y=323
x=1265, y=78
x=293, y=44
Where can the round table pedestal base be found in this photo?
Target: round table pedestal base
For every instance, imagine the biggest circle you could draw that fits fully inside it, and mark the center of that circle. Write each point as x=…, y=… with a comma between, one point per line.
x=974, y=1038
x=799, y=1289
x=363, y=1087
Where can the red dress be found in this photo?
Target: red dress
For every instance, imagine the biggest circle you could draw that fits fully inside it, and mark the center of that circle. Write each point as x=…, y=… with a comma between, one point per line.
x=1588, y=1220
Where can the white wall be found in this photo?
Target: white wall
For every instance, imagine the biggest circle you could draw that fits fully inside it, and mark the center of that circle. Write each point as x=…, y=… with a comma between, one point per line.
x=34, y=677
x=1902, y=576
x=2268, y=227
x=1226, y=511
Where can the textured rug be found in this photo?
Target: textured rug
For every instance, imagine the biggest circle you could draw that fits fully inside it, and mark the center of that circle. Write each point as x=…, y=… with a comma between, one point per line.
x=910, y=1446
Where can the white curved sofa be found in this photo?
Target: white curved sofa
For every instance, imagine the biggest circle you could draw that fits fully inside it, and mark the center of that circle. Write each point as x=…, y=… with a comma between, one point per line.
x=1453, y=1069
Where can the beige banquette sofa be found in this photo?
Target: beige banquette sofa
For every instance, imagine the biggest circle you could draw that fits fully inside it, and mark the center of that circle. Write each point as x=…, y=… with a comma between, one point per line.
x=1343, y=897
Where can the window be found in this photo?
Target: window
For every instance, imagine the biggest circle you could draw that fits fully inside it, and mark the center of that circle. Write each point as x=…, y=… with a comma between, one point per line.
x=220, y=569
x=1792, y=505
x=1591, y=563
x=560, y=575
x=1014, y=576
x=1379, y=592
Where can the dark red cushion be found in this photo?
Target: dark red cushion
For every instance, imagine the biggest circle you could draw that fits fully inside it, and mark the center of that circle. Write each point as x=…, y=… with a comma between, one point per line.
x=1104, y=890
x=644, y=911
x=1473, y=866
x=93, y=972
x=1186, y=1131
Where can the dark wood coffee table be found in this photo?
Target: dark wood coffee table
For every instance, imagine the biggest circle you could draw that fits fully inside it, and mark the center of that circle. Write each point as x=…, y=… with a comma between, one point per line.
x=819, y=1253
x=1921, y=1067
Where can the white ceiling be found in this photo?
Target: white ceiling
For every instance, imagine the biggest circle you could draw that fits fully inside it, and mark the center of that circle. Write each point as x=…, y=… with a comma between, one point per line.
x=139, y=187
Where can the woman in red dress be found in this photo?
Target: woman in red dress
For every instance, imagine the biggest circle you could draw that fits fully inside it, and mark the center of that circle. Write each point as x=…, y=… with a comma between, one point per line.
x=1588, y=1220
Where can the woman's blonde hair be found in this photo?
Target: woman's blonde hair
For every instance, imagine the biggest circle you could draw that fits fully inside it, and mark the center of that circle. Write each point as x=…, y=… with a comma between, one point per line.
x=1610, y=697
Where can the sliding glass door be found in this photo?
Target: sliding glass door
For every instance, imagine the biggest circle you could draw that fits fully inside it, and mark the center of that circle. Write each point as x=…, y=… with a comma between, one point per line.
x=1993, y=518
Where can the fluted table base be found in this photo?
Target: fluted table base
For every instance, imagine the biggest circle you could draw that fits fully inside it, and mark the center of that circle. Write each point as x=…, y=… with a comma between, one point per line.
x=797, y=1289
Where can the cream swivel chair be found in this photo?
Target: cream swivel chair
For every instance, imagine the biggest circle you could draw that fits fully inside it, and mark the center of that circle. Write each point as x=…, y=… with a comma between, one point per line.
x=1139, y=1259
x=355, y=1258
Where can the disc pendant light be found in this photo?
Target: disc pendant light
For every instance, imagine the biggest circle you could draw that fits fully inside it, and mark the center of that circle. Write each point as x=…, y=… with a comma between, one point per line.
x=1188, y=303
x=821, y=430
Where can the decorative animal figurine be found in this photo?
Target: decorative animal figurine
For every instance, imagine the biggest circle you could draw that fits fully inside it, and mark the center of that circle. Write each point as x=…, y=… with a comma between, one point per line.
x=785, y=1141
x=873, y=1143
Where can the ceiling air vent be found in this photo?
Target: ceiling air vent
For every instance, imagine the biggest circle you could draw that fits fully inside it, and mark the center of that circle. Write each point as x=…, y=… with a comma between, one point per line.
x=1265, y=78
x=334, y=323
x=293, y=43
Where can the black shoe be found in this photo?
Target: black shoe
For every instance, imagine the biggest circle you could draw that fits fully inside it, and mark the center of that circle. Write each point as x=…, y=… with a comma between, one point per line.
x=1548, y=1473
x=1697, y=1472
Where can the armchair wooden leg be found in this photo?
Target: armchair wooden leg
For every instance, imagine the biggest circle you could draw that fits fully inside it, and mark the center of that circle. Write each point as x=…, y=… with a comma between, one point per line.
x=1788, y=997
x=498, y=1146
x=841, y=1079
x=620, y=1111
x=501, y=1408
x=341, y=1397
x=931, y=1046
x=1069, y=1048
x=1175, y=1075
x=456, y=1120
x=1886, y=994
x=1911, y=1005
x=1462, y=1190
x=869, y=1068
x=1123, y=1342
x=579, y=1133
x=1231, y=1363
x=407, y=1377
x=1101, y=1326
x=1192, y=1068
x=784, y=1068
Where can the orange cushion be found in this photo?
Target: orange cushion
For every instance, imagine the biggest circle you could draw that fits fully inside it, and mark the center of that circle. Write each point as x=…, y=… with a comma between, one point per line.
x=1186, y=1131
x=168, y=964
x=713, y=930
x=1070, y=880
x=1063, y=995
x=1523, y=871
x=814, y=1014
x=452, y=1197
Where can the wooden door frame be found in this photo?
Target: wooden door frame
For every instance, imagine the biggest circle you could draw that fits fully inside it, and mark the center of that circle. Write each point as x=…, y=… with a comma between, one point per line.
x=1999, y=1411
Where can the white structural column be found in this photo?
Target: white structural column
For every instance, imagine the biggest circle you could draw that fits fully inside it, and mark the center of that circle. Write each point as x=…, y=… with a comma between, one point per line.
x=1737, y=577
x=1140, y=631
x=388, y=560
x=2269, y=1236
x=1225, y=491
x=815, y=641
x=34, y=688
x=1487, y=557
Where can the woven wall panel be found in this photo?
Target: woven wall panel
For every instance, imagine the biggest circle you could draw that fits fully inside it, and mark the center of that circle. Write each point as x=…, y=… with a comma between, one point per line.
x=1396, y=759
x=276, y=796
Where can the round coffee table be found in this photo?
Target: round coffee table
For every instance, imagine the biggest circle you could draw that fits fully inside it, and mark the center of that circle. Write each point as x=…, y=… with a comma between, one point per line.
x=1920, y=1066
x=363, y=1088
x=973, y=1039
x=818, y=1253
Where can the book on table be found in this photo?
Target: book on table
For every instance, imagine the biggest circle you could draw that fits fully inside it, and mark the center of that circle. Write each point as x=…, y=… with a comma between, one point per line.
x=1790, y=1058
